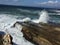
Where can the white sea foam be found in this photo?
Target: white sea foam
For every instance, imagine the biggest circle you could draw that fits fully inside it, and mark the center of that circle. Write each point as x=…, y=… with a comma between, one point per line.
x=6, y=23
x=26, y=19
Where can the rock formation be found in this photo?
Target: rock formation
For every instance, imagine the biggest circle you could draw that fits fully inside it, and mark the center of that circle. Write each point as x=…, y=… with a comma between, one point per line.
x=41, y=34
x=5, y=39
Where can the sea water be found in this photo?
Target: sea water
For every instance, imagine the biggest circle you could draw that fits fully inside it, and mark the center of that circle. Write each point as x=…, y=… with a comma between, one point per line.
x=9, y=16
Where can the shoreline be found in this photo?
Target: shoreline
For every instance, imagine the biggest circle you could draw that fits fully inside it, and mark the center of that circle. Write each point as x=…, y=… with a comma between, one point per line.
x=34, y=33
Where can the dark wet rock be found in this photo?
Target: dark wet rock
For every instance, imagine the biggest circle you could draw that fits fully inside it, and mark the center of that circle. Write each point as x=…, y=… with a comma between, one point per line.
x=14, y=43
x=5, y=39
x=1, y=37
x=41, y=34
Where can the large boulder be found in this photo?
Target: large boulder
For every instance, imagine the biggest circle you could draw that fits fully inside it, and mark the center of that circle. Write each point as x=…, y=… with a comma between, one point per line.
x=5, y=39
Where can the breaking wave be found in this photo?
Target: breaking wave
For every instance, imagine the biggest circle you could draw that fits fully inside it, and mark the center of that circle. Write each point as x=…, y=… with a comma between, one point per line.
x=43, y=17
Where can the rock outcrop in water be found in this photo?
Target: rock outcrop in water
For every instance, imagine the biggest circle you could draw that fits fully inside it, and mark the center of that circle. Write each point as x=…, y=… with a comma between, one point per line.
x=5, y=39
x=41, y=34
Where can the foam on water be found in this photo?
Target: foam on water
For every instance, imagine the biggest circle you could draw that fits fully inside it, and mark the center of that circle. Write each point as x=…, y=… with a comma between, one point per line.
x=26, y=19
x=6, y=23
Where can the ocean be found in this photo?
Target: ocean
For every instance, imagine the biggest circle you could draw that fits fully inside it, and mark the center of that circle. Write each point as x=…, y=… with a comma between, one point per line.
x=9, y=16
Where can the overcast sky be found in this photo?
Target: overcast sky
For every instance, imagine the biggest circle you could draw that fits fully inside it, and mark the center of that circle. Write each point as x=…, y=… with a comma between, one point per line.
x=48, y=3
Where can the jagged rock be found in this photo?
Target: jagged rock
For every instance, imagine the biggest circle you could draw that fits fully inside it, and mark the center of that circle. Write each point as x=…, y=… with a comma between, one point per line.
x=41, y=34
x=5, y=39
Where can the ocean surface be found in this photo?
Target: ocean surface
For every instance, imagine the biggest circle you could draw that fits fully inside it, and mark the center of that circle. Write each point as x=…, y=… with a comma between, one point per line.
x=9, y=16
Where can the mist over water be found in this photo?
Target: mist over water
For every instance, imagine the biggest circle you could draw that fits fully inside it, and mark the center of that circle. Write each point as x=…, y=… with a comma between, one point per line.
x=12, y=15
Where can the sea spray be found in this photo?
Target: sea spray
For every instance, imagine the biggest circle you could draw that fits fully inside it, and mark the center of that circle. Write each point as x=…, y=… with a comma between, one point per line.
x=26, y=19
x=43, y=17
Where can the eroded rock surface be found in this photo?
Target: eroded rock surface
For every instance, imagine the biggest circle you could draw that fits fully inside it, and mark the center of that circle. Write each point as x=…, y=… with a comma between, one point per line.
x=5, y=39
x=42, y=34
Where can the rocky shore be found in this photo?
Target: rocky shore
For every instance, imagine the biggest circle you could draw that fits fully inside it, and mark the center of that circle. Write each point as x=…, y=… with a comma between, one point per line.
x=41, y=34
